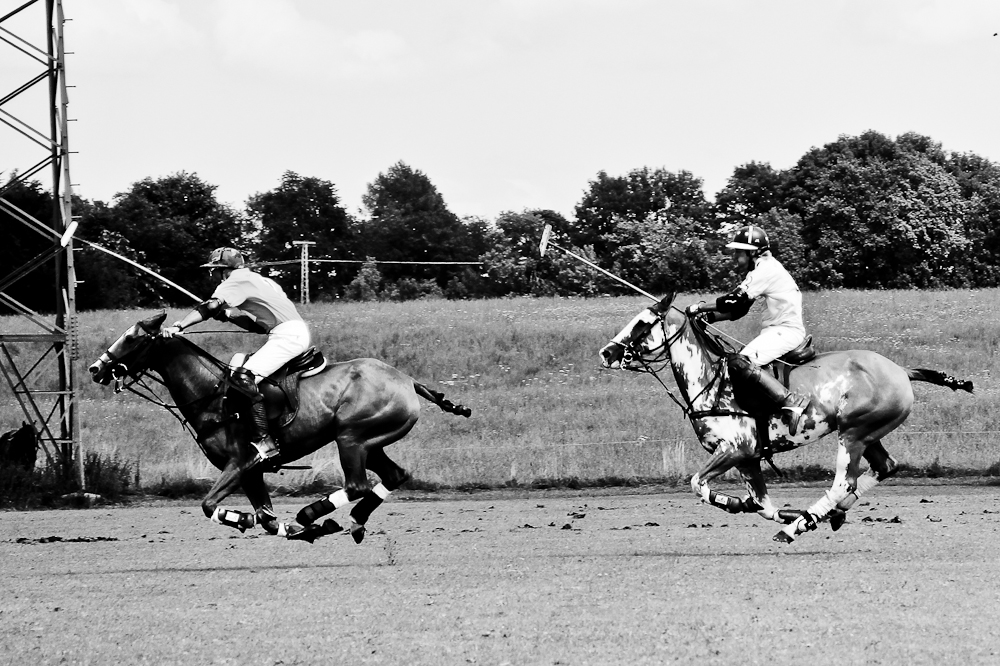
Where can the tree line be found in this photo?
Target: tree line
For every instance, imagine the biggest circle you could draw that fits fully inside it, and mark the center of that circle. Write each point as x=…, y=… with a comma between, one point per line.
x=863, y=212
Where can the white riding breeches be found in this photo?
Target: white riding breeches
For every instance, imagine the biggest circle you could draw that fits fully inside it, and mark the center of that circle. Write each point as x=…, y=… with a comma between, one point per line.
x=773, y=341
x=284, y=342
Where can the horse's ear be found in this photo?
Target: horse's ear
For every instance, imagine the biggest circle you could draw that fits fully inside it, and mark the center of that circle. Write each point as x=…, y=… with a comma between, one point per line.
x=152, y=325
x=664, y=304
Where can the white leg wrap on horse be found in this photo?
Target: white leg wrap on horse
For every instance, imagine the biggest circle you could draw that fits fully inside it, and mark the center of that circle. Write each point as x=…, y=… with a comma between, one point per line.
x=381, y=491
x=215, y=515
x=339, y=499
x=823, y=506
x=865, y=483
x=282, y=530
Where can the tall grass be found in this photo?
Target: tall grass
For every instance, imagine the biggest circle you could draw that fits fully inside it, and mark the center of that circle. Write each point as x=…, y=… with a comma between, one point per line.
x=542, y=407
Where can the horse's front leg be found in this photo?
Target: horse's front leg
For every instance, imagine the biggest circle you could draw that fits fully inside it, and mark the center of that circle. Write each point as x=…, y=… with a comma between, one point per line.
x=256, y=491
x=726, y=457
x=845, y=481
x=225, y=485
x=757, y=500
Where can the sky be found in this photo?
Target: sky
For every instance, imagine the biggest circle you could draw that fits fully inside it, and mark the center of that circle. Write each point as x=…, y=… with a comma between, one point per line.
x=505, y=105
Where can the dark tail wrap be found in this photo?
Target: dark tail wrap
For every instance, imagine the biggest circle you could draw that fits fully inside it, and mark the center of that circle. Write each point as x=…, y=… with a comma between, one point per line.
x=939, y=378
x=438, y=399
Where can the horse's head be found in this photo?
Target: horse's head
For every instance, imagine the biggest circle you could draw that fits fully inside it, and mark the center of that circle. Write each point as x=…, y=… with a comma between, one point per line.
x=128, y=353
x=641, y=338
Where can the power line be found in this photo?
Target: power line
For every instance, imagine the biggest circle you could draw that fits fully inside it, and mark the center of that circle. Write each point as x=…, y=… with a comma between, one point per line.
x=365, y=261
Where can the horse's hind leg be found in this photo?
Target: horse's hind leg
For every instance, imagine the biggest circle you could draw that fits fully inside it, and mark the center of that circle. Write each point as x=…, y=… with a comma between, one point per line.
x=391, y=476
x=849, y=450
x=882, y=465
x=355, y=453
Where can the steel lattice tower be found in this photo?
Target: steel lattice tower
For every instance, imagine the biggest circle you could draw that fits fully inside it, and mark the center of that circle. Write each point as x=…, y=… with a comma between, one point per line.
x=53, y=345
x=304, y=270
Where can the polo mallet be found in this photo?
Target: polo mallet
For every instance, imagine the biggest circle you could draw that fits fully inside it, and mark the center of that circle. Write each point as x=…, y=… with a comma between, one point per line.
x=544, y=245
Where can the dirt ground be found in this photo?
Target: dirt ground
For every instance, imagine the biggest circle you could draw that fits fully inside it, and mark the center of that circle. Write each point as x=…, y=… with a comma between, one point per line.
x=539, y=577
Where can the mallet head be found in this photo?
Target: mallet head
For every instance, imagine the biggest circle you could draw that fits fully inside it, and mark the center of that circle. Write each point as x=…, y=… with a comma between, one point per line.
x=544, y=245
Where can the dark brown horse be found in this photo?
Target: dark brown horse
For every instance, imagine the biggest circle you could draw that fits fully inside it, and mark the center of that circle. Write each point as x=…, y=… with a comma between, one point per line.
x=364, y=405
x=859, y=395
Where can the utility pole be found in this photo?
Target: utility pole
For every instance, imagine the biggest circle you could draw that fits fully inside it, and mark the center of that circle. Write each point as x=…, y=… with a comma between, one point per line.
x=304, y=270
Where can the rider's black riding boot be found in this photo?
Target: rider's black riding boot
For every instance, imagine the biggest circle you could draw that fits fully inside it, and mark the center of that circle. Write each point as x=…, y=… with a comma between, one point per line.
x=266, y=447
x=742, y=367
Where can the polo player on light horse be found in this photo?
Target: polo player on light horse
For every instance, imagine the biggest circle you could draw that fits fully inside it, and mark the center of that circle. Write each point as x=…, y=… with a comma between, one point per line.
x=859, y=394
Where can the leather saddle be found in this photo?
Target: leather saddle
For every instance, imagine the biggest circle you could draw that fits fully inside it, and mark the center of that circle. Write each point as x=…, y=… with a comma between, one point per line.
x=281, y=389
x=782, y=368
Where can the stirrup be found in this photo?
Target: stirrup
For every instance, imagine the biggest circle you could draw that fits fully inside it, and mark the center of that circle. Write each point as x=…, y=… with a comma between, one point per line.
x=268, y=464
x=265, y=455
x=795, y=405
x=266, y=451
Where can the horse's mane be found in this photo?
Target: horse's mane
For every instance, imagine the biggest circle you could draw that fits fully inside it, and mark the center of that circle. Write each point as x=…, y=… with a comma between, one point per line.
x=713, y=343
x=198, y=351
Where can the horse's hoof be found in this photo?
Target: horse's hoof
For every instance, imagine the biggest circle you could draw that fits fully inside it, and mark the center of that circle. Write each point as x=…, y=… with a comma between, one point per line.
x=357, y=532
x=308, y=533
x=837, y=519
x=312, y=532
x=783, y=537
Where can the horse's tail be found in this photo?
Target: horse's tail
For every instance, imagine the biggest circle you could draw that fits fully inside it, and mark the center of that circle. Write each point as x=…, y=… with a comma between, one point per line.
x=939, y=378
x=438, y=399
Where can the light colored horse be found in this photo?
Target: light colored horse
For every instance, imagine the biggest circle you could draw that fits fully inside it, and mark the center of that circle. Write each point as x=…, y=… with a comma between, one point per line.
x=859, y=395
x=363, y=405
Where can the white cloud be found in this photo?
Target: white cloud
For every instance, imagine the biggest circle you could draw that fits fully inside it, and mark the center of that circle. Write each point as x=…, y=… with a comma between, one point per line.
x=932, y=22
x=278, y=38
x=116, y=36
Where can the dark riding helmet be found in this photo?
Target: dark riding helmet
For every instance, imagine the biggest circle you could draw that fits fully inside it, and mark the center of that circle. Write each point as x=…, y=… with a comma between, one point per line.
x=225, y=257
x=750, y=238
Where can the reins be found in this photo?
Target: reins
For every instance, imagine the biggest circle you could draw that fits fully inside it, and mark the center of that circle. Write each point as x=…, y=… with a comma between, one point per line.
x=648, y=367
x=663, y=359
x=149, y=394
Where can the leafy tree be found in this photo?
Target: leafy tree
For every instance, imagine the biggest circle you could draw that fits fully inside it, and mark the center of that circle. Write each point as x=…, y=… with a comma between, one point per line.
x=877, y=213
x=105, y=281
x=304, y=209
x=175, y=221
x=753, y=190
x=514, y=267
x=409, y=221
x=366, y=285
x=635, y=196
x=979, y=182
x=22, y=244
x=663, y=252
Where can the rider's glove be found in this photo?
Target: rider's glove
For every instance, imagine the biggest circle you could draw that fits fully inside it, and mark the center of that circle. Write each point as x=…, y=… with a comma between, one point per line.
x=172, y=330
x=693, y=309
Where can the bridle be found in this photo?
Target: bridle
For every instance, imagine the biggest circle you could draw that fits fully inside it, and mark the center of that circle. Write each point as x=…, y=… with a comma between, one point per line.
x=635, y=360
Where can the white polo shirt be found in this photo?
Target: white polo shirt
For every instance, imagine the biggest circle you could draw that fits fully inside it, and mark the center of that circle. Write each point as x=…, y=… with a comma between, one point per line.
x=261, y=299
x=781, y=295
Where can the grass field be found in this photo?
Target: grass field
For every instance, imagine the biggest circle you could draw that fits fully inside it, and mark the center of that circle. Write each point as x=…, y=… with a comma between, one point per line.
x=542, y=407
